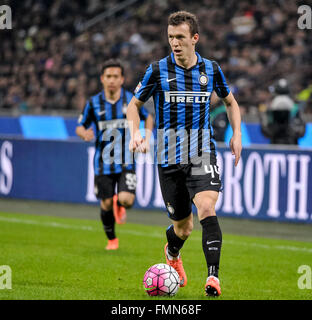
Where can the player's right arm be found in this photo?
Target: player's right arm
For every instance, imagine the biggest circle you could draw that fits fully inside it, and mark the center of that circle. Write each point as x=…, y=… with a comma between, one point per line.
x=143, y=92
x=133, y=119
x=83, y=130
x=85, y=134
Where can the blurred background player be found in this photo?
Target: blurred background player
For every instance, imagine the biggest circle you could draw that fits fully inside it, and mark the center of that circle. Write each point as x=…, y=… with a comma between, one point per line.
x=181, y=85
x=107, y=111
x=282, y=121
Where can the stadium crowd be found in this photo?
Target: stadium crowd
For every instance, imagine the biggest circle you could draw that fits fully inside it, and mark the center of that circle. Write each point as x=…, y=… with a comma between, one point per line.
x=49, y=61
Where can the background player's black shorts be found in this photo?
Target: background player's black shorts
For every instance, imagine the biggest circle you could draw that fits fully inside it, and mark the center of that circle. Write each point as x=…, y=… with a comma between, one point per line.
x=179, y=184
x=105, y=185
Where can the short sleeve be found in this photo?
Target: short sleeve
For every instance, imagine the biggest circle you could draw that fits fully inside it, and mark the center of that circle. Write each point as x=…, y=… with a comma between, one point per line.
x=219, y=83
x=86, y=117
x=147, y=85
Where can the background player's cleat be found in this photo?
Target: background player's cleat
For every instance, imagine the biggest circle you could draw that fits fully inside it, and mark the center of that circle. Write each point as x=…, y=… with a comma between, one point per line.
x=119, y=211
x=177, y=264
x=112, y=244
x=212, y=287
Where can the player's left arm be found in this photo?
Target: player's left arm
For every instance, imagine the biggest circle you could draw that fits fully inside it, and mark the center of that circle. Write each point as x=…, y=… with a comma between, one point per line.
x=234, y=116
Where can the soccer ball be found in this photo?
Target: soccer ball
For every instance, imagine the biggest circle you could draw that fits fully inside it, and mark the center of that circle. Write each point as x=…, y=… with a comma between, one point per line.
x=161, y=280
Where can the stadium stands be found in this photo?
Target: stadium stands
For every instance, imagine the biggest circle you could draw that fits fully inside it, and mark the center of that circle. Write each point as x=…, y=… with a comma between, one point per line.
x=49, y=61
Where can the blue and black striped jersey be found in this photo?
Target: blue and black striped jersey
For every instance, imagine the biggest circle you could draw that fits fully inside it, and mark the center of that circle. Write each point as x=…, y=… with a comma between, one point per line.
x=182, y=99
x=112, y=137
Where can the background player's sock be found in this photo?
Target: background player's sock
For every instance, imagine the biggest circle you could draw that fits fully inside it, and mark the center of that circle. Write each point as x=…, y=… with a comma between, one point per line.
x=174, y=242
x=108, y=221
x=211, y=242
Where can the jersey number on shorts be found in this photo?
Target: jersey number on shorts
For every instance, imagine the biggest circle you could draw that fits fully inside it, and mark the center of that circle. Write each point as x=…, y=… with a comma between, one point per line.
x=212, y=169
x=131, y=181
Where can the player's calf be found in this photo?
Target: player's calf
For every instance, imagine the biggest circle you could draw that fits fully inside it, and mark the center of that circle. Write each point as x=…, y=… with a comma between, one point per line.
x=108, y=222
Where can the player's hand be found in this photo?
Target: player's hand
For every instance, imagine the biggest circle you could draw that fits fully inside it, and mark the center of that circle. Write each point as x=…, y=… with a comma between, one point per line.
x=236, y=146
x=144, y=147
x=89, y=135
x=137, y=143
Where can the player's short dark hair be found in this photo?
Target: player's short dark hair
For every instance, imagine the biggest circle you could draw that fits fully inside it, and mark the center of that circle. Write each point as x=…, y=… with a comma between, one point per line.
x=112, y=63
x=179, y=17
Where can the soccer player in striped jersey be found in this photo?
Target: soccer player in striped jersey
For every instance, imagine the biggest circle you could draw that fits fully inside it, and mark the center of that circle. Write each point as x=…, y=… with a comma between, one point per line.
x=181, y=85
x=113, y=162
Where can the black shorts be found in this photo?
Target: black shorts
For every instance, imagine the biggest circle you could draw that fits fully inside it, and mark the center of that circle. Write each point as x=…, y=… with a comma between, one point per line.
x=105, y=184
x=180, y=183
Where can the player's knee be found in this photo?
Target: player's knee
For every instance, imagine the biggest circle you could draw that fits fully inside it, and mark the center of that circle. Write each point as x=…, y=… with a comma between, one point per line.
x=185, y=231
x=206, y=208
x=127, y=203
x=126, y=200
x=107, y=204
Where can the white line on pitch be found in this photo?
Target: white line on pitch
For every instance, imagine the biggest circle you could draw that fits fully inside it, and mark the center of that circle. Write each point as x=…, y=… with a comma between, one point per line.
x=152, y=235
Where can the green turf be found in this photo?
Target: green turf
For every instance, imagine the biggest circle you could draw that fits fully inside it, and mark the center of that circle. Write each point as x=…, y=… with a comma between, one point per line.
x=65, y=258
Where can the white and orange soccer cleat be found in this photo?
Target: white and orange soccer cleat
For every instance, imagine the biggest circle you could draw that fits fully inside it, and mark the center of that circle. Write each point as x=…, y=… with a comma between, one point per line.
x=112, y=244
x=177, y=264
x=120, y=213
x=212, y=287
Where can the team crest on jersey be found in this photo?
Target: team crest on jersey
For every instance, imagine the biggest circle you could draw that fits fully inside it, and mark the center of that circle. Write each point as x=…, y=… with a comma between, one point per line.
x=203, y=79
x=138, y=87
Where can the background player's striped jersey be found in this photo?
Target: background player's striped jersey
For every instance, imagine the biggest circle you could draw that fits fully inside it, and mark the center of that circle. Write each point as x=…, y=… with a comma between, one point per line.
x=112, y=137
x=181, y=99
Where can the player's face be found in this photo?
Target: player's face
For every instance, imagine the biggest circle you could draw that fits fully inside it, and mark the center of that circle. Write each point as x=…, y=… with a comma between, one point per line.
x=181, y=41
x=112, y=79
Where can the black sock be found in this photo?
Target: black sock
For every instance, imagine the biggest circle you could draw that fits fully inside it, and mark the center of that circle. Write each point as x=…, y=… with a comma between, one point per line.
x=108, y=221
x=211, y=242
x=174, y=242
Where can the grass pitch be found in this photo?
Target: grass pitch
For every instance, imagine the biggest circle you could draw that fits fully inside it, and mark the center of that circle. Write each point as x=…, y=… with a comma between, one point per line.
x=65, y=258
